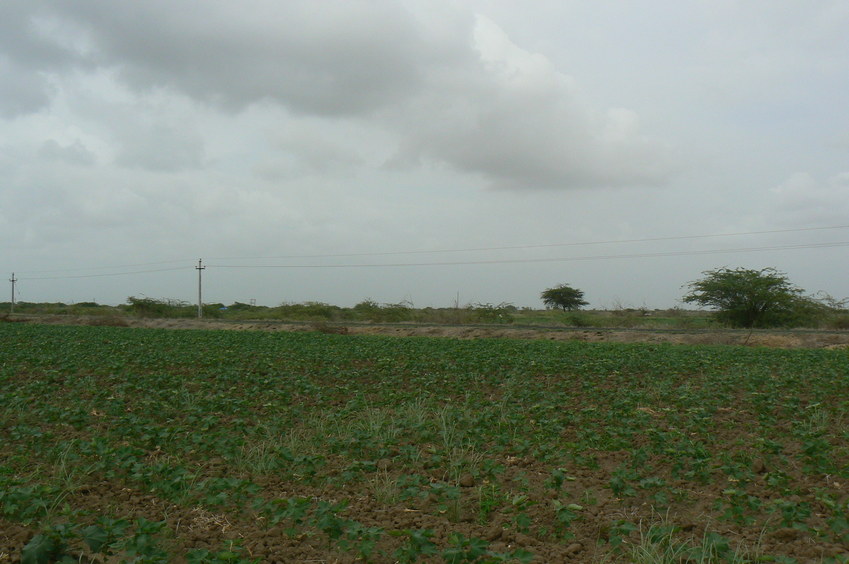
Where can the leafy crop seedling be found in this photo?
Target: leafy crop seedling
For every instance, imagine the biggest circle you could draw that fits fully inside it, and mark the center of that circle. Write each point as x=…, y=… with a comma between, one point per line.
x=158, y=445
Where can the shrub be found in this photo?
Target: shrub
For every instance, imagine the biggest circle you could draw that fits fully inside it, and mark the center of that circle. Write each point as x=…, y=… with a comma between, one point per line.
x=752, y=298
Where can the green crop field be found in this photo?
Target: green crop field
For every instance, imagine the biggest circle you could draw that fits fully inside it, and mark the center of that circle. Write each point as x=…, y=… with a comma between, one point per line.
x=145, y=445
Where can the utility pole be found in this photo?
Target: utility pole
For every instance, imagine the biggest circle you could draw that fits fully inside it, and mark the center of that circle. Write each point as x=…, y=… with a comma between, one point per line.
x=200, y=268
x=12, y=303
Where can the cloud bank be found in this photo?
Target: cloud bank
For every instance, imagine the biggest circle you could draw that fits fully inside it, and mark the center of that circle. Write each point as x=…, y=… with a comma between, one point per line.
x=449, y=86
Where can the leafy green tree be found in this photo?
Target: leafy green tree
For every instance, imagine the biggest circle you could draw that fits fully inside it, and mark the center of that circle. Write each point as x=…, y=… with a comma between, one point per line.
x=563, y=297
x=750, y=298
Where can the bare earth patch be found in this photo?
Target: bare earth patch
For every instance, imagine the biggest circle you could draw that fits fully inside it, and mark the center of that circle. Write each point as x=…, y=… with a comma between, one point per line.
x=789, y=339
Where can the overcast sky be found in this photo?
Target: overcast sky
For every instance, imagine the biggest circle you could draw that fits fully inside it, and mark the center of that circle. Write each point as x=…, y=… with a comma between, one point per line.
x=426, y=151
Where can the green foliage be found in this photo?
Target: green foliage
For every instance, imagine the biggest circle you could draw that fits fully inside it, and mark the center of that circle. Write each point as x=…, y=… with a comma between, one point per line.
x=464, y=549
x=59, y=308
x=662, y=543
x=309, y=311
x=489, y=313
x=563, y=297
x=491, y=433
x=418, y=544
x=578, y=320
x=751, y=298
x=564, y=514
x=403, y=312
x=230, y=555
x=369, y=310
x=49, y=546
x=144, y=544
x=151, y=307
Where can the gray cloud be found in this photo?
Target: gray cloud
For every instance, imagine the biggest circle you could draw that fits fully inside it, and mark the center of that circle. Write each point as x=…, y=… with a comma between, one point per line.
x=521, y=123
x=22, y=91
x=159, y=130
x=307, y=152
x=333, y=58
x=75, y=153
x=29, y=54
x=803, y=199
x=160, y=147
x=452, y=89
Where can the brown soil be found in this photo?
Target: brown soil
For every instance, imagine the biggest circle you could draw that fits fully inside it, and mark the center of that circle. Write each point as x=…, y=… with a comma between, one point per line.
x=776, y=339
x=199, y=528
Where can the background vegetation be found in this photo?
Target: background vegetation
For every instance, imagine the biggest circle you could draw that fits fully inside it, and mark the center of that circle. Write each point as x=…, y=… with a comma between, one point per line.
x=756, y=298
x=563, y=297
x=737, y=297
x=821, y=315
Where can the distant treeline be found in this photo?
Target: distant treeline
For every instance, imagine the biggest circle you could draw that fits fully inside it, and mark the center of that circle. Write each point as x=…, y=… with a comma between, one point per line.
x=370, y=311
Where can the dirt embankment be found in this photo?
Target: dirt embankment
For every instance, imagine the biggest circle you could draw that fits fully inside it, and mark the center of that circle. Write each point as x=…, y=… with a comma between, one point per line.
x=775, y=339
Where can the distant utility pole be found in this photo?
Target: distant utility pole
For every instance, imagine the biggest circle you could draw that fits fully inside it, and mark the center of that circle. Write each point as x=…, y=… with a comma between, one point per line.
x=12, y=303
x=200, y=268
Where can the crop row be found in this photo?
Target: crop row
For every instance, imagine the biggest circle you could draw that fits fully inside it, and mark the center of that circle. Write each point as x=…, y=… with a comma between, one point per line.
x=216, y=446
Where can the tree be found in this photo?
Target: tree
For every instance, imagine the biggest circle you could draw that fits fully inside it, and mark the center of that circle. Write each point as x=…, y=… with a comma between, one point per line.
x=749, y=298
x=563, y=297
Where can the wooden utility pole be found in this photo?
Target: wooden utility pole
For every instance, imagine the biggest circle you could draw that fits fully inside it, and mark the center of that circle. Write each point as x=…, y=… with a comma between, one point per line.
x=12, y=303
x=200, y=268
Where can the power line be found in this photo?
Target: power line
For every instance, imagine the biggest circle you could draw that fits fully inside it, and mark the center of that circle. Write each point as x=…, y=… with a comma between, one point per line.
x=533, y=260
x=107, y=267
x=541, y=246
x=99, y=275
x=473, y=249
